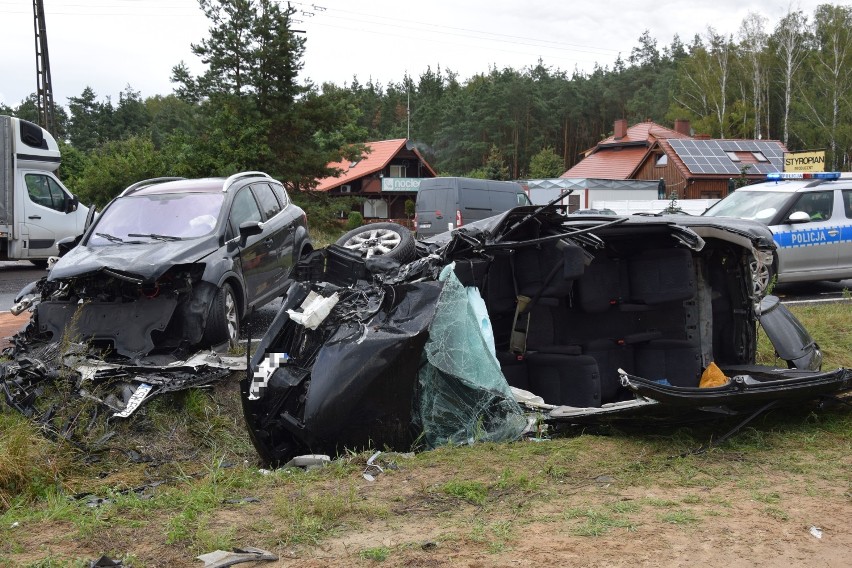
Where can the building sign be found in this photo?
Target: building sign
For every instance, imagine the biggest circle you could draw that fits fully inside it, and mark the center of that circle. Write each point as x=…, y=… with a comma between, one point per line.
x=400, y=184
x=813, y=161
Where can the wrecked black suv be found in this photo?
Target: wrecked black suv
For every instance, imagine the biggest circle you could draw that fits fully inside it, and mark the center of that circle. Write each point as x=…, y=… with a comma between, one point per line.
x=174, y=263
x=576, y=319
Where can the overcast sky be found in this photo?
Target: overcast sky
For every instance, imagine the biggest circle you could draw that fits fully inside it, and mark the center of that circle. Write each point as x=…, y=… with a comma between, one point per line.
x=109, y=44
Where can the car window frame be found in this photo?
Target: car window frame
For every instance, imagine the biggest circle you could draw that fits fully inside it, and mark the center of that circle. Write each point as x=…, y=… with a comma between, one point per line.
x=52, y=189
x=260, y=190
x=234, y=231
x=282, y=195
x=809, y=195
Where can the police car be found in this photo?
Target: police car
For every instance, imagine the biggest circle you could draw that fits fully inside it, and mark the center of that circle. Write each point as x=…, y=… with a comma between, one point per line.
x=810, y=216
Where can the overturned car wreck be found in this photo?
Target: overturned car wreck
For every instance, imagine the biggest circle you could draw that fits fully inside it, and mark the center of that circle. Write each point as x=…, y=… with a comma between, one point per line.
x=579, y=319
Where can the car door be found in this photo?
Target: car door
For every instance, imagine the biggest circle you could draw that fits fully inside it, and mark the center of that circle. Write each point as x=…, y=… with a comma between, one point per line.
x=45, y=220
x=253, y=254
x=844, y=257
x=278, y=241
x=809, y=249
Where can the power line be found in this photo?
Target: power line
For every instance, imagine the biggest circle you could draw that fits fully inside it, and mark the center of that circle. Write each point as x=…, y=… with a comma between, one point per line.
x=440, y=29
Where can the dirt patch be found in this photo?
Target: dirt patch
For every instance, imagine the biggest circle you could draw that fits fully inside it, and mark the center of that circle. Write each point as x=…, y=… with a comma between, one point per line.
x=412, y=522
x=10, y=325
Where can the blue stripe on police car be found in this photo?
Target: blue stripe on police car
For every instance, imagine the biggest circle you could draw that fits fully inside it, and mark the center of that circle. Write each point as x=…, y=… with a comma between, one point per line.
x=812, y=237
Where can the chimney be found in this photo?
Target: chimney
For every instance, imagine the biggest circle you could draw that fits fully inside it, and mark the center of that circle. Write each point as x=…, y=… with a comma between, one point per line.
x=619, y=130
x=682, y=126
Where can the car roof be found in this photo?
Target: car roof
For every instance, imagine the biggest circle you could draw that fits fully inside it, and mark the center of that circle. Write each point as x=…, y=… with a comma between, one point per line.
x=165, y=185
x=205, y=185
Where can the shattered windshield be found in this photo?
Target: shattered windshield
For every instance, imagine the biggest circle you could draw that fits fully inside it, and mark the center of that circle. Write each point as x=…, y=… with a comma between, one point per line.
x=756, y=205
x=155, y=218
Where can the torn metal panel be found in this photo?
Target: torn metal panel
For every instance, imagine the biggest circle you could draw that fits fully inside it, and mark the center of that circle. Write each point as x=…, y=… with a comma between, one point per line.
x=128, y=325
x=222, y=558
x=58, y=390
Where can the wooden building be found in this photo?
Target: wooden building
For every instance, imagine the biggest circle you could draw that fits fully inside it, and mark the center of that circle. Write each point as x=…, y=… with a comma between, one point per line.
x=386, y=176
x=694, y=167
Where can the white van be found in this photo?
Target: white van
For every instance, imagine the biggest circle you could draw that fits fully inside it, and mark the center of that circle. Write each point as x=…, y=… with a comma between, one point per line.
x=447, y=203
x=36, y=210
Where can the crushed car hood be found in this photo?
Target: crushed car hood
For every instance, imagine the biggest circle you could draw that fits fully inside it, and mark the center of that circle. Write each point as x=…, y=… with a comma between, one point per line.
x=148, y=261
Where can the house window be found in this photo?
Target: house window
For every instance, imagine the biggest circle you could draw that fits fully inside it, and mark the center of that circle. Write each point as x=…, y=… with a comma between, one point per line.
x=733, y=156
x=662, y=161
x=397, y=171
x=759, y=156
x=376, y=208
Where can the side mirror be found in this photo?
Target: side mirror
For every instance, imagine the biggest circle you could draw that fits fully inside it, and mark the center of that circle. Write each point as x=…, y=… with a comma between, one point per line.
x=72, y=204
x=798, y=217
x=249, y=229
x=66, y=244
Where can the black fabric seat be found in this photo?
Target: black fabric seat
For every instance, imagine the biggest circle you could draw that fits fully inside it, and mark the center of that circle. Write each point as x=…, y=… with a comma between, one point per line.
x=603, y=285
x=677, y=361
x=514, y=368
x=610, y=356
x=571, y=380
x=549, y=270
x=661, y=275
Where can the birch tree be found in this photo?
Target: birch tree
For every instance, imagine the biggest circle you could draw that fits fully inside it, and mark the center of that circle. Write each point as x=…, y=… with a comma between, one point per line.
x=826, y=95
x=753, y=39
x=788, y=42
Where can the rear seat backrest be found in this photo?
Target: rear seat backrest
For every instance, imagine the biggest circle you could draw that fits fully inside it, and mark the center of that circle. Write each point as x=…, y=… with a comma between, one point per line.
x=661, y=275
x=533, y=266
x=603, y=285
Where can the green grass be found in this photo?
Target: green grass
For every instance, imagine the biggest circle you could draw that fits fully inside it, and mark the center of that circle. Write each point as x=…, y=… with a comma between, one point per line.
x=201, y=453
x=831, y=327
x=473, y=492
x=378, y=554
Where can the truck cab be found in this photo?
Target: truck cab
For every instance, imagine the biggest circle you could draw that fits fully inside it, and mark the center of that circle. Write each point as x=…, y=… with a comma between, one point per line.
x=36, y=209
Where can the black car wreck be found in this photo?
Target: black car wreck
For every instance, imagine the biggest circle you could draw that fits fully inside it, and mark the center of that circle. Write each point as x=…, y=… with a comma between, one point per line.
x=575, y=319
x=171, y=264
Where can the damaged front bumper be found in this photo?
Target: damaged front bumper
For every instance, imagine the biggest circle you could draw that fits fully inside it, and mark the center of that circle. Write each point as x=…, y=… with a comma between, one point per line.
x=121, y=312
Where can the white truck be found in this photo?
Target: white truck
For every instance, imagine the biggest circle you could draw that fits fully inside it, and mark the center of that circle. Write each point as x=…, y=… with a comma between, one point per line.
x=36, y=210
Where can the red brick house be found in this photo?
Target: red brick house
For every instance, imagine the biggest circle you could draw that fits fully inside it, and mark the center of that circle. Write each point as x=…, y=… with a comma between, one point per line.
x=696, y=167
x=386, y=176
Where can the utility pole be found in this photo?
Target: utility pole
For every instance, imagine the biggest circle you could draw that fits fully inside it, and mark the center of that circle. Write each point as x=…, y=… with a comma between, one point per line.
x=45, y=88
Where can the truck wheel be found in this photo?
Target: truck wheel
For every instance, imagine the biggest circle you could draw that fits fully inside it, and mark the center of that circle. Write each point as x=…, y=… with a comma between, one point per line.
x=223, y=321
x=380, y=239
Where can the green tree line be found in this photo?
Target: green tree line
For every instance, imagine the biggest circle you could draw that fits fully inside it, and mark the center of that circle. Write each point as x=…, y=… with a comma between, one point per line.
x=249, y=109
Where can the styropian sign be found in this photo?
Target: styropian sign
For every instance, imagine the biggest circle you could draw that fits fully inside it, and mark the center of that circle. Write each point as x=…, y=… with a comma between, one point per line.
x=813, y=161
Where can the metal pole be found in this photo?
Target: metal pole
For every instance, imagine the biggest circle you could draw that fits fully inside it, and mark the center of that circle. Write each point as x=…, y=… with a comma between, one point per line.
x=44, y=91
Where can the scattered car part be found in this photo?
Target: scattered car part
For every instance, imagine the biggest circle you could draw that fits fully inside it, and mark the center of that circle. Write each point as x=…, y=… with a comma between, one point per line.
x=222, y=558
x=380, y=239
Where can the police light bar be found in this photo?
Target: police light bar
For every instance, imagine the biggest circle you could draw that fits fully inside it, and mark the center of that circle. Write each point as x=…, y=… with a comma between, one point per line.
x=802, y=175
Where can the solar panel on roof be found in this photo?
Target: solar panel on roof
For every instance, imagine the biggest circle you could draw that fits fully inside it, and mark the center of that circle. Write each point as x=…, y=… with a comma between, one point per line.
x=709, y=157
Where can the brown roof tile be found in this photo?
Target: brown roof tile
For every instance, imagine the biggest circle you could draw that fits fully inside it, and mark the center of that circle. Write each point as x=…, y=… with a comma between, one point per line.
x=381, y=153
x=609, y=163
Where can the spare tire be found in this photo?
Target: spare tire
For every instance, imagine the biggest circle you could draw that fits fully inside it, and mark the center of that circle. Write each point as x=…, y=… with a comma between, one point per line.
x=381, y=239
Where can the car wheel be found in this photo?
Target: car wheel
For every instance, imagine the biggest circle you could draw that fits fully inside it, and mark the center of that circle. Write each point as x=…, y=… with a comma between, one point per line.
x=223, y=321
x=380, y=239
x=762, y=277
x=41, y=263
